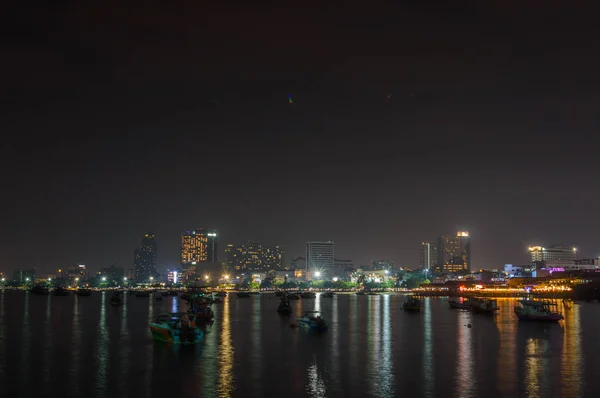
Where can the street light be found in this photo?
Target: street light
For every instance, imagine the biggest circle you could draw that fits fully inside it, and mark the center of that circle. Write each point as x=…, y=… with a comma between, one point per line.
x=125, y=279
x=151, y=278
x=49, y=279
x=317, y=274
x=206, y=277
x=26, y=279
x=76, y=279
x=3, y=279
x=103, y=279
x=226, y=277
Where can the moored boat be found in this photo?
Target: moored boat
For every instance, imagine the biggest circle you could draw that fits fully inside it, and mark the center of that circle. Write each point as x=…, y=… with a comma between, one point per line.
x=176, y=328
x=412, y=304
x=327, y=295
x=537, y=311
x=284, y=307
x=487, y=306
x=465, y=304
x=115, y=299
x=312, y=320
x=308, y=295
x=41, y=290
x=60, y=291
x=243, y=294
x=83, y=291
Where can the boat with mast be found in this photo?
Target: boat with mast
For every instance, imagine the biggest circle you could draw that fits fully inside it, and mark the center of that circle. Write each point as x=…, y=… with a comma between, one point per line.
x=537, y=311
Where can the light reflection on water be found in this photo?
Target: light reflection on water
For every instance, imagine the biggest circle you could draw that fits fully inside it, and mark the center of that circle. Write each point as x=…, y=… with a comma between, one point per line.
x=428, y=366
x=372, y=348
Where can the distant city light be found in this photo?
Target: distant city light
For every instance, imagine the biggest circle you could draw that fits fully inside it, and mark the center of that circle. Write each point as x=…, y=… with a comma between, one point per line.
x=335, y=279
x=26, y=279
x=125, y=278
x=317, y=274
x=226, y=276
x=462, y=233
x=103, y=279
x=387, y=272
x=212, y=234
x=206, y=277
x=175, y=276
x=3, y=279
x=76, y=279
x=49, y=279
x=151, y=278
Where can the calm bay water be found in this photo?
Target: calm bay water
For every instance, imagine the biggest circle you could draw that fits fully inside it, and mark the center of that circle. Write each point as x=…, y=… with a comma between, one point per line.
x=81, y=346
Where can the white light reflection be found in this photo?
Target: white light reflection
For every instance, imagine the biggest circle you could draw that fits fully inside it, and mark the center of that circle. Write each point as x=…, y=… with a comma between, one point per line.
x=226, y=355
x=48, y=344
x=75, y=350
x=102, y=356
x=26, y=349
x=572, y=358
x=387, y=361
x=464, y=365
x=316, y=385
x=428, y=366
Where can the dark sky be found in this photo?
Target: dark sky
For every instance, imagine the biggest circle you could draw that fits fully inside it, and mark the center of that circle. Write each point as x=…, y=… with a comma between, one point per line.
x=410, y=119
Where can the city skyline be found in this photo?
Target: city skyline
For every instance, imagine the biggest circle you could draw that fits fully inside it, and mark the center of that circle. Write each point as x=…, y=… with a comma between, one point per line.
x=377, y=128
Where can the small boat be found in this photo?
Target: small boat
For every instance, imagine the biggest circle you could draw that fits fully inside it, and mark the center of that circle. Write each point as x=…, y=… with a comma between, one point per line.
x=284, y=307
x=221, y=294
x=243, y=294
x=61, y=291
x=83, y=292
x=461, y=305
x=202, y=313
x=176, y=328
x=142, y=293
x=312, y=320
x=412, y=304
x=294, y=296
x=327, y=295
x=537, y=311
x=308, y=295
x=361, y=293
x=115, y=299
x=484, y=306
x=41, y=290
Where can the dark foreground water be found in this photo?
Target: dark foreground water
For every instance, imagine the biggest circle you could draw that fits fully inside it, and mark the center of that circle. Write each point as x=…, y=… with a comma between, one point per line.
x=81, y=346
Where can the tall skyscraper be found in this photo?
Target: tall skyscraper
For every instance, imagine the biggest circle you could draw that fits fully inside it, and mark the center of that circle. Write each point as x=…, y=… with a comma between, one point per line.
x=319, y=256
x=555, y=252
x=254, y=256
x=194, y=247
x=144, y=263
x=429, y=256
x=212, y=246
x=454, y=253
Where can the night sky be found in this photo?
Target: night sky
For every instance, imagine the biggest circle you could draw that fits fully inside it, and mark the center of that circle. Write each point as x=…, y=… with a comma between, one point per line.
x=410, y=119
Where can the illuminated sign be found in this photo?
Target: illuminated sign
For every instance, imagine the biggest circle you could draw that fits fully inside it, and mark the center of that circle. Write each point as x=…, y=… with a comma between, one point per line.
x=212, y=234
x=174, y=276
x=462, y=233
x=81, y=266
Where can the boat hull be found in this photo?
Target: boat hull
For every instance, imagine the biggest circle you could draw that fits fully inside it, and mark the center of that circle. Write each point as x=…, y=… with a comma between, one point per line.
x=539, y=318
x=174, y=336
x=459, y=306
x=409, y=308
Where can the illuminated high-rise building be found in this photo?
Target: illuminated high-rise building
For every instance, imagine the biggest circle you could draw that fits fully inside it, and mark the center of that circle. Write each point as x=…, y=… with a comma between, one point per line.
x=320, y=256
x=254, y=256
x=144, y=264
x=212, y=246
x=194, y=247
x=555, y=252
x=454, y=253
x=429, y=256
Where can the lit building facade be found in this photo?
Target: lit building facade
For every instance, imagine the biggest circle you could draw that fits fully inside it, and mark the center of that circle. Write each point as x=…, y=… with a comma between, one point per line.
x=428, y=258
x=112, y=274
x=212, y=246
x=254, y=256
x=144, y=263
x=24, y=275
x=555, y=252
x=320, y=256
x=194, y=247
x=175, y=275
x=382, y=265
x=454, y=253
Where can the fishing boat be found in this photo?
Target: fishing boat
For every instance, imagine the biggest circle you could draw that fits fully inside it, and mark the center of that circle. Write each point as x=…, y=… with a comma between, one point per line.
x=312, y=320
x=412, y=304
x=198, y=305
x=115, y=299
x=486, y=306
x=284, y=307
x=537, y=311
x=83, y=291
x=176, y=328
x=60, y=291
x=41, y=290
x=308, y=295
x=465, y=304
x=327, y=295
x=243, y=294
